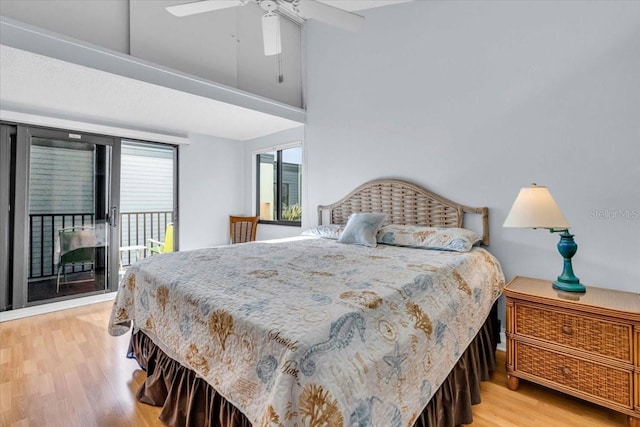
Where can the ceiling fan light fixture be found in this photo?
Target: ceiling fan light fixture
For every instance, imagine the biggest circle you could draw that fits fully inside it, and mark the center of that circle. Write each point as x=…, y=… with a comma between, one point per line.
x=271, y=34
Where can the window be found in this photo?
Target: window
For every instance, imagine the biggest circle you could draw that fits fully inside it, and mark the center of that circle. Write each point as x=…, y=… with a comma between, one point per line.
x=279, y=186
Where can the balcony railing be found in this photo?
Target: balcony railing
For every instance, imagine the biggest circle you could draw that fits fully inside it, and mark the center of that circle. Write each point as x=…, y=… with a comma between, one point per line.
x=42, y=239
x=135, y=229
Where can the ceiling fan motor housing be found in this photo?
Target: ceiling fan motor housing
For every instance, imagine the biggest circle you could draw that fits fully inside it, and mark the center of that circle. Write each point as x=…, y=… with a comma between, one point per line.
x=268, y=5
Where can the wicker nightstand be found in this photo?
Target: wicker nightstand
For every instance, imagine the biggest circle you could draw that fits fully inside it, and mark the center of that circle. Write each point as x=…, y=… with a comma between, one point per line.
x=586, y=345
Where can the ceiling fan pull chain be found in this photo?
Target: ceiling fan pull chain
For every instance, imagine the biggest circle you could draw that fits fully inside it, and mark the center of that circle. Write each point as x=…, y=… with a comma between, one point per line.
x=280, y=75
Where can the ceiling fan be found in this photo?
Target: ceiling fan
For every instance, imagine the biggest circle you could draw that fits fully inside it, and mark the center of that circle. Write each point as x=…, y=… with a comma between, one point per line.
x=301, y=9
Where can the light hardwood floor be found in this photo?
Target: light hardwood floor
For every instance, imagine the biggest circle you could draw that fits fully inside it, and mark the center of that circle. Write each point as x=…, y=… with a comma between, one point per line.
x=64, y=369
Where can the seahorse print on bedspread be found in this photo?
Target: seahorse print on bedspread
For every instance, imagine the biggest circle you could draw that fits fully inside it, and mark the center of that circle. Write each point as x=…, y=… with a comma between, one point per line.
x=340, y=336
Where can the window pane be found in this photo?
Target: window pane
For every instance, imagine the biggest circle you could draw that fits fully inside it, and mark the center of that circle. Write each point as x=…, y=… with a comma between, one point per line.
x=291, y=186
x=267, y=179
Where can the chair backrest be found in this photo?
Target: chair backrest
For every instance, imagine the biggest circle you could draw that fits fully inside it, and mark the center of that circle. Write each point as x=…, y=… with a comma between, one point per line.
x=168, y=239
x=76, y=244
x=242, y=229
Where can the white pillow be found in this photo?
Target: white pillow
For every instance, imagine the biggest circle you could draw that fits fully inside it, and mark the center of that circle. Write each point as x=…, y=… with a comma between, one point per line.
x=362, y=228
x=419, y=236
x=329, y=231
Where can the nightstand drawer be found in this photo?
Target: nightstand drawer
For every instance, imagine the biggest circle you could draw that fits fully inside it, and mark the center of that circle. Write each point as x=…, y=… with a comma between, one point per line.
x=578, y=375
x=580, y=332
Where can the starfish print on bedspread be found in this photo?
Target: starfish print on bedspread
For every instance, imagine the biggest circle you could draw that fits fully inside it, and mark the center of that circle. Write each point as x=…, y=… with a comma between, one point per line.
x=395, y=362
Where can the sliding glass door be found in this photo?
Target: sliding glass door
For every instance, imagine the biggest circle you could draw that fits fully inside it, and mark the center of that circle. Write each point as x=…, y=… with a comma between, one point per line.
x=77, y=209
x=65, y=242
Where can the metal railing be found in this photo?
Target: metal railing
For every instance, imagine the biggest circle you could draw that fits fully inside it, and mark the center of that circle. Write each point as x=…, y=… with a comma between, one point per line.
x=135, y=229
x=42, y=239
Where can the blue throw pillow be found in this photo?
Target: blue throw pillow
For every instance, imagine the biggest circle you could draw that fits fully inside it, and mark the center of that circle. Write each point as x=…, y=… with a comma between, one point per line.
x=362, y=228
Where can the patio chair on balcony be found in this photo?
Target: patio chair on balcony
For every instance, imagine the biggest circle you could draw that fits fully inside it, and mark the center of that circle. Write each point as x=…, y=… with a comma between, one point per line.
x=242, y=229
x=77, y=246
x=158, y=247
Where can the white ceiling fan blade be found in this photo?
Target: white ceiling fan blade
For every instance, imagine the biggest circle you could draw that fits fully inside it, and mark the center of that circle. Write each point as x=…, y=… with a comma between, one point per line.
x=312, y=9
x=271, y=33
x=195, y=7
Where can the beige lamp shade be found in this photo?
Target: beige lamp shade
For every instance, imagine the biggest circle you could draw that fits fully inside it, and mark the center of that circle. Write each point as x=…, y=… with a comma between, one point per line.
x=535, y=208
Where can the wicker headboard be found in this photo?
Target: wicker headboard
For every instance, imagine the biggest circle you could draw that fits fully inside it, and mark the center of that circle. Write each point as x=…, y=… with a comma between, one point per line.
x=404, y=203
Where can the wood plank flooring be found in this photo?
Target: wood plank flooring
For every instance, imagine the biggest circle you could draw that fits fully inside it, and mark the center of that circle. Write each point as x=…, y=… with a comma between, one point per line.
x=64, y=369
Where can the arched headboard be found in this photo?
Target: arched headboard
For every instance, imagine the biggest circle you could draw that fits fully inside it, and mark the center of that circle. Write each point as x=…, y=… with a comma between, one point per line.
x=404, y=203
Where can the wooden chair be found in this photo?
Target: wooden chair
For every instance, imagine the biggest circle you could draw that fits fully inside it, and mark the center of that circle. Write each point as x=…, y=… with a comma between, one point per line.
x=242, y=229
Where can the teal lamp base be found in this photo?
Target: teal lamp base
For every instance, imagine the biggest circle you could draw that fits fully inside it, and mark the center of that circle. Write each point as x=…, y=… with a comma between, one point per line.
x=567, y=281
x=569, y=287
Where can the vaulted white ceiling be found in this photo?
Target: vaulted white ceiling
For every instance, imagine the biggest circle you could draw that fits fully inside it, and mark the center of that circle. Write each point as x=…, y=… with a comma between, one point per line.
x=55, y=76
x=47, y=74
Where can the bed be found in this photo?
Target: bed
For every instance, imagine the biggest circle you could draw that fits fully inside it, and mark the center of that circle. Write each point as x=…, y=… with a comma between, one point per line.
x=314, y=332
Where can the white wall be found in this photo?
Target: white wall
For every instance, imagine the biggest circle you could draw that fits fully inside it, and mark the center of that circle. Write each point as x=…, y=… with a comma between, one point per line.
x=250, y=148
x=477, y=99
x=210, y=182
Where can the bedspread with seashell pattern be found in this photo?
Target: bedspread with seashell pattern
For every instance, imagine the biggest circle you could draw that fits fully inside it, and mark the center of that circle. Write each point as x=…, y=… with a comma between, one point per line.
x=312, y=332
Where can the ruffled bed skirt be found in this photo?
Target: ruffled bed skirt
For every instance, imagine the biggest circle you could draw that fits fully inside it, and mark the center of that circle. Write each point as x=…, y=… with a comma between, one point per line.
x=189, y=401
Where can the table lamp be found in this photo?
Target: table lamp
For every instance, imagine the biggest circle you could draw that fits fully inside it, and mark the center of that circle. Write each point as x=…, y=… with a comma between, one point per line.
x=535, y=208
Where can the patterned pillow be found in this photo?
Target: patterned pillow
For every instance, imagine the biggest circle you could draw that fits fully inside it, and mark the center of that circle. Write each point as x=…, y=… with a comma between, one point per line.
x=418, y=236
x=361, y=229
x=330, y=231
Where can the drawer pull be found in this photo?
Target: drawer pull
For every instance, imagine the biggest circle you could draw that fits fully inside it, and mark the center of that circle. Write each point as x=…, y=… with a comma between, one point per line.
x=566, y=372
x=566, y=329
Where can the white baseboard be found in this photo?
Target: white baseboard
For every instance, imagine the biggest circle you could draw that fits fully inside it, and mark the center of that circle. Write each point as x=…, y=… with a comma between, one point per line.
x=502, y=345
x=20, y=313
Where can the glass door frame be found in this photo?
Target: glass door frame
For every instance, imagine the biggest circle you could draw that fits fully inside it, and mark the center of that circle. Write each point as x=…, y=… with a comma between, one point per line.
x=21, y=209
x=6, y=254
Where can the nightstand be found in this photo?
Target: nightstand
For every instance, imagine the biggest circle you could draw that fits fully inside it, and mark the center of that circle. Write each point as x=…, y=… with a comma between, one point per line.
x=586, y=345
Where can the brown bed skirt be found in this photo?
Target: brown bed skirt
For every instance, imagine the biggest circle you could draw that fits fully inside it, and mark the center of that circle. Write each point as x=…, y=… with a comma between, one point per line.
x=189, y=401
